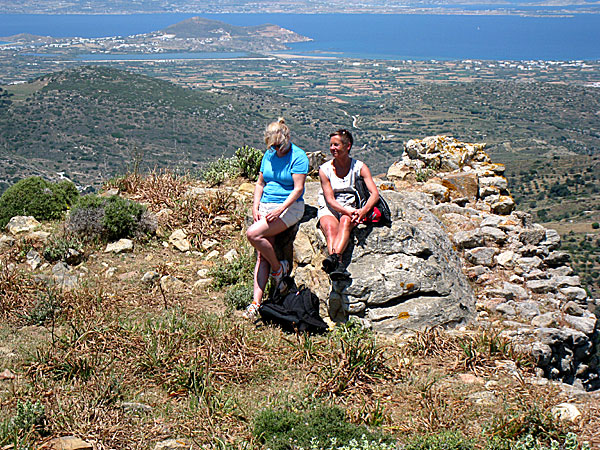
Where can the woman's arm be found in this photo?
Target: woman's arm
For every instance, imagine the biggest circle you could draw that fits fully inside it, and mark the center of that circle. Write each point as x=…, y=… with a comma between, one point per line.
x=360, y=214
x=330, y=197
x=299, y=179
x=258, y=191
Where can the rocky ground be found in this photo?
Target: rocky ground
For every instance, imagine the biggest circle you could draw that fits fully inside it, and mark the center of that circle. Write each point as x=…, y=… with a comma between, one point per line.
x=520, y=328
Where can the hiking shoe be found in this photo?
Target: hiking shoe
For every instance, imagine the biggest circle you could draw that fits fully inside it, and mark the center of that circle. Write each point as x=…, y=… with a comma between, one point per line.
x=331, y=263
x=339, y=274
x=284, y=270
x=251, y=312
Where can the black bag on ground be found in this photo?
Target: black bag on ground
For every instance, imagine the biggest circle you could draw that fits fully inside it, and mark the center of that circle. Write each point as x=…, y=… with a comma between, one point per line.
x=381, y=205
x=296, y=310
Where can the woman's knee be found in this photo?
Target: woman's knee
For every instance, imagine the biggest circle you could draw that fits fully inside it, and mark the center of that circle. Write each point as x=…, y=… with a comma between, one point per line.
x=346, y=222
x=253, y=234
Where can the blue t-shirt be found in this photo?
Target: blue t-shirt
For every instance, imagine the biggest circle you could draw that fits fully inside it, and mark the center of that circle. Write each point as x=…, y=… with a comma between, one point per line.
x=277, y=173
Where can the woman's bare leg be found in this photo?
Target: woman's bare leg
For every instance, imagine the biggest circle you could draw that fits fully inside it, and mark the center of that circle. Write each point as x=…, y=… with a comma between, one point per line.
x=330, y=227
x=343, y=234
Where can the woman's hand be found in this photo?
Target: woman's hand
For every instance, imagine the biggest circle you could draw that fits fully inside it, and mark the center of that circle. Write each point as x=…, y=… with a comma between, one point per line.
x=358, y=216
x=255, y=214
x=274, y=214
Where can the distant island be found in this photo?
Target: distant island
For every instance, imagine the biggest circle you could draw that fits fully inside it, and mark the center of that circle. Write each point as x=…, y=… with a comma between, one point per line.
x=196, y=34
x=518, y=7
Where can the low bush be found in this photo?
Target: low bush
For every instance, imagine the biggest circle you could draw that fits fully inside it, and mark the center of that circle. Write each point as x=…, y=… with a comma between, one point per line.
x=60, y=247
x=29, y=418
x=249, y=160
x=239, y=296
x=446, y=440
x=239, y=270
x=37, y=197
x=245, y=163
x=220, y=170
x=321, y=427
x=109, y=218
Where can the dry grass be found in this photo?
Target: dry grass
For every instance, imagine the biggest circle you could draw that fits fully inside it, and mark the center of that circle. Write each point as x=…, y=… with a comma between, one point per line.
x=202, y=375
x=199, y=215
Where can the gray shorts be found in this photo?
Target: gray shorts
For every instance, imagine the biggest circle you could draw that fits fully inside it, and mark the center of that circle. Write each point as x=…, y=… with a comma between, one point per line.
x=289, y=216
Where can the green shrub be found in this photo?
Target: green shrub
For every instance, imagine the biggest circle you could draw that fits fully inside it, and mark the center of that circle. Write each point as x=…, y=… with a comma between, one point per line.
x=446, y=440
x=283, y=429
x=37, y=197
x=29, y=417
x=530, y=443
x=220, y=170
x=238, y=271
x=239, y=296
x=595, y=225
x=58, y=248
x=109, y=218
x=249, y=160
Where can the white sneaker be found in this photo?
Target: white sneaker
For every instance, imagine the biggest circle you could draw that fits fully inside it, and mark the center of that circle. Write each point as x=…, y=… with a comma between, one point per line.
x=251, y=312
x=283, y=272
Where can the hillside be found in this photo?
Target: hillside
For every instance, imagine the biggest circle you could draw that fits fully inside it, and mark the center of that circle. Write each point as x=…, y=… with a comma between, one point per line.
x=93, y=123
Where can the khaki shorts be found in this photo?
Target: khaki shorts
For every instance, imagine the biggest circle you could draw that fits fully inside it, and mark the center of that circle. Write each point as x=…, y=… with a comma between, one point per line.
x=327, y=211
x=289, y=216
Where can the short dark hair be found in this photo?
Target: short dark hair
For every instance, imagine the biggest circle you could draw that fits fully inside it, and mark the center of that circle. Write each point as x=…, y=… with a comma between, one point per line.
x=344, y=135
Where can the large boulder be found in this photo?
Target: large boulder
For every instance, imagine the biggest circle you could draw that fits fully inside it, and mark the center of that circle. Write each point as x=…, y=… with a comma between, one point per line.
x=402, y=277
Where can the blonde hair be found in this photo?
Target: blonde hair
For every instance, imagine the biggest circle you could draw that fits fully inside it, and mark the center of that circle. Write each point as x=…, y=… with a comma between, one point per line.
x=277, y=133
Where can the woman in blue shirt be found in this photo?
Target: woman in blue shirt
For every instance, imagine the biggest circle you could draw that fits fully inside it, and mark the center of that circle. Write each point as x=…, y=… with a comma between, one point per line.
x=278, y=204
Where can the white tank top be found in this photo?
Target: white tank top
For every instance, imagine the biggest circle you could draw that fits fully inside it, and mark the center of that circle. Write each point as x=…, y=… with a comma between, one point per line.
x=341, y=186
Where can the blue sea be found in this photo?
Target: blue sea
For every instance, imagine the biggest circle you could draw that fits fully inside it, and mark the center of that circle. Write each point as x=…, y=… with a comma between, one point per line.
x=368, y=36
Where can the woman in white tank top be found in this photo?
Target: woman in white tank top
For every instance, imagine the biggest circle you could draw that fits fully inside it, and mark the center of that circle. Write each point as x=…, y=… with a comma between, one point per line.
x=338, y=210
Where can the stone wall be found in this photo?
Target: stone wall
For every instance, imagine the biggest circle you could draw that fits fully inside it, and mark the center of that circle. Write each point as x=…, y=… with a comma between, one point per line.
x=458, y=252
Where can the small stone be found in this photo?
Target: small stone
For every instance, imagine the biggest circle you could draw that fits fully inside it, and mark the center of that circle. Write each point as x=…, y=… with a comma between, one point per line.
x=209, y=243
x=121, y=246
x=203, y=272
x=150, y=276
x=22, y=224
x=178, y=239
x=110, y=193
x=38, y=237
x=566, y=411
x=202, y=284
x=7, y=375
x=528, y=310
x=6, y=241
x=213, y=254
x=541, y=286
x=247, y=188
x=170, y=283
x=529, y=263
x=586, y=324
x=468, y=239
x=573, y=309
x=68, y=443
x=555, y=259
x=172, y=444
x=33, y=259
x=546, y=320
x=481, y=256
x=110, y=272
x=506, y=259
x=504, y=205
x=532, y=236
x=506, y=309
x=494, y=235
x=231, y=255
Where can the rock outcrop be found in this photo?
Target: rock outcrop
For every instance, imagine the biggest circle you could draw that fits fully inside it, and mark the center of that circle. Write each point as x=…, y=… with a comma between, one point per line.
x=402, y=277
x=454, y=219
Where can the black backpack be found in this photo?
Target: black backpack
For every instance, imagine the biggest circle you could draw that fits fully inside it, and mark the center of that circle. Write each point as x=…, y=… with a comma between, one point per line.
x=295, y=310
x=364, y=194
